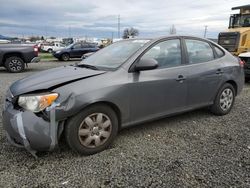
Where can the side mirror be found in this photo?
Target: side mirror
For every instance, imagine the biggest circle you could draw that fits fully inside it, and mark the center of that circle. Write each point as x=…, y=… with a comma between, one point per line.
x=146, y=64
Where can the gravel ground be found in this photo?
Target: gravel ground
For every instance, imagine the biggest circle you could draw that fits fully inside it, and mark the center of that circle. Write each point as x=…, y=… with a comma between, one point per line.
x=195, y=149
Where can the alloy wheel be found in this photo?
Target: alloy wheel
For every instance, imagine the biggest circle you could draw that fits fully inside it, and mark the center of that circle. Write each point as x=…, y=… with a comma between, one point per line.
x=15, y=65
x=65, y=57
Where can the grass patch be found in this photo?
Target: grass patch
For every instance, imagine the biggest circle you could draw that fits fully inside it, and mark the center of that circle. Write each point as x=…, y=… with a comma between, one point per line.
x=47, y=57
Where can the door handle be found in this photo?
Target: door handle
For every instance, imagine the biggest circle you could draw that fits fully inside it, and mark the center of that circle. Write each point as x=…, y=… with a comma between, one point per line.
x=219, y=71
x=180, y=78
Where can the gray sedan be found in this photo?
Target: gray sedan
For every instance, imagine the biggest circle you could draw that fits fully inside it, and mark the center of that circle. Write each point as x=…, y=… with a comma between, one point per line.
x=126, y=83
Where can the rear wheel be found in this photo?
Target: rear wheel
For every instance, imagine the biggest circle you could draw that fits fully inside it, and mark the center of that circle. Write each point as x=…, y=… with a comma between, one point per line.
x=50, y=50
x=14, y=64
x=224, y=100
x=65, y=57
x=92, y=130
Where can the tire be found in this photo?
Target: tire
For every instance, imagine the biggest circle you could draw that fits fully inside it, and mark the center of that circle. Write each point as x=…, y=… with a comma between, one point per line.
x=95, y=137
x=65, y=57
x=247, y=79
x=14, y=64
x=50, y=50
x=224, y=100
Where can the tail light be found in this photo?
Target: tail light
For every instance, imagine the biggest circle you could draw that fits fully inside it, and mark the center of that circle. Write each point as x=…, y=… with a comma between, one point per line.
x=36, y=50
x=242, y=63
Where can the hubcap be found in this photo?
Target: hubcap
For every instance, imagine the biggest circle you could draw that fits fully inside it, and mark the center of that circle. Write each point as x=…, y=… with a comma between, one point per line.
x=15, y=65
x=226, y=99
x=95, y=130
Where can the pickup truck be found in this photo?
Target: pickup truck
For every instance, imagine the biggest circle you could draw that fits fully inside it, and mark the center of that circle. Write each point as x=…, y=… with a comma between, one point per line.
x=53, y=47
x=14, y=57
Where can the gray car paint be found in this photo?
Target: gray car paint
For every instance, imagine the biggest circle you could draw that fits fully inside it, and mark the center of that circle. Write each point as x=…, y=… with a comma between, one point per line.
x=135, y=96
x=51, y=78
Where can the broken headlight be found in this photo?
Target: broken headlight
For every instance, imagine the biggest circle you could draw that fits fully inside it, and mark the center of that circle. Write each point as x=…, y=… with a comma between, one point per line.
x=37, y=103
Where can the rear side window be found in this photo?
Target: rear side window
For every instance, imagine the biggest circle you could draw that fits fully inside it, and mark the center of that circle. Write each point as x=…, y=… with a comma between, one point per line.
x=199, y=51
x=85, y=45
x=218, y=51
x=91, y=45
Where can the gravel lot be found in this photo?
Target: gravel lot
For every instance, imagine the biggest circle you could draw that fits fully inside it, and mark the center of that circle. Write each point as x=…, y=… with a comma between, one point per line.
x=195, y=149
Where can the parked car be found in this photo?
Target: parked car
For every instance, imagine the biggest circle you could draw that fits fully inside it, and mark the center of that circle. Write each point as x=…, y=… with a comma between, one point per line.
x=53, y=47
x=76, y=50
x=14, y=56
x=246, y=58
x=127, y=83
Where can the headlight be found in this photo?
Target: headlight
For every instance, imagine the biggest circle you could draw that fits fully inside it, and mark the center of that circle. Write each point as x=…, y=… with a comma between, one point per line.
x=37, y=103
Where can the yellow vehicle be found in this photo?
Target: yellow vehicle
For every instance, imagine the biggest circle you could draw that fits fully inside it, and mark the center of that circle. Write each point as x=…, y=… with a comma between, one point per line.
x=237, y=39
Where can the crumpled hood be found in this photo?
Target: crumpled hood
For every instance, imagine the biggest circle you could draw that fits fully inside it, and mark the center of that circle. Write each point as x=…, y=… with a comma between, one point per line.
x=51, y=78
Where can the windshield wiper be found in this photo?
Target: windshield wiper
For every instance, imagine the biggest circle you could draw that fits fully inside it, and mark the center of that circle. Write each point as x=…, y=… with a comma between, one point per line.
x=87, y=66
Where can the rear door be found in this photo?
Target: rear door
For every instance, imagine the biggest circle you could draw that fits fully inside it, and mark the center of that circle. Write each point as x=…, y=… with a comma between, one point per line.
x=92, y=48
x=161, y=91
x=85, y=48
x=205, y=72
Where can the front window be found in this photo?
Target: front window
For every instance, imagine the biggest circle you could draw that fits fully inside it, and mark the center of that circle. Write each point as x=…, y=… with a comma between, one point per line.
x=114, y=55
x=238, y=20
x=77, y=46
x=166, y=53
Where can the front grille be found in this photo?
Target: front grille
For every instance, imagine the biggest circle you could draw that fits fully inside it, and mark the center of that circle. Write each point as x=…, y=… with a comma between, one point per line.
x=229, y=41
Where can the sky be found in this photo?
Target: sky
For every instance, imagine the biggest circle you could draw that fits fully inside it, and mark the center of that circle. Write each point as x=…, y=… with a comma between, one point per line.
x=99, y=18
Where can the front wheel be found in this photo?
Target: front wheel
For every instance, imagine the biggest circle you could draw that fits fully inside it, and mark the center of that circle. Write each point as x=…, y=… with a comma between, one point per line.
x=65, y=57
x=224, y=100
x=92, y=130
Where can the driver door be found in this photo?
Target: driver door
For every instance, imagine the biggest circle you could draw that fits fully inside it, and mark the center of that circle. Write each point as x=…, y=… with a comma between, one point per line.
x=76, y=51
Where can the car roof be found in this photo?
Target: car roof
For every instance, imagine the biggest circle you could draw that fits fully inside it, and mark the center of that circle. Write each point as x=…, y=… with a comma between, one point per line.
x=169, y=37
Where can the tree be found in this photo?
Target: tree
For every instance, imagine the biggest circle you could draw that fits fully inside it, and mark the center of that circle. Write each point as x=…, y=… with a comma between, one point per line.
x=172, y=30
x=130, y=33
x=34, y=38
x=42, y=38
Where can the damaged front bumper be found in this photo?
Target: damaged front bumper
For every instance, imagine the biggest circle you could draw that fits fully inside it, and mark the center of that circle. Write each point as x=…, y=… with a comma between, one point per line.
x=26, y=129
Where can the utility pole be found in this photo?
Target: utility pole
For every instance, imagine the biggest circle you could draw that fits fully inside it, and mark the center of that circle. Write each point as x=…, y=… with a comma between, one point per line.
x=46, y=32
x=119, y=25
x=205, y=32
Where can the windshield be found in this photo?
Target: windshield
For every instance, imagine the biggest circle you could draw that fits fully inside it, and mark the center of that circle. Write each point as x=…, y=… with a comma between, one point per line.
x=69, y=46
x=114, y=55
x=238, y=20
